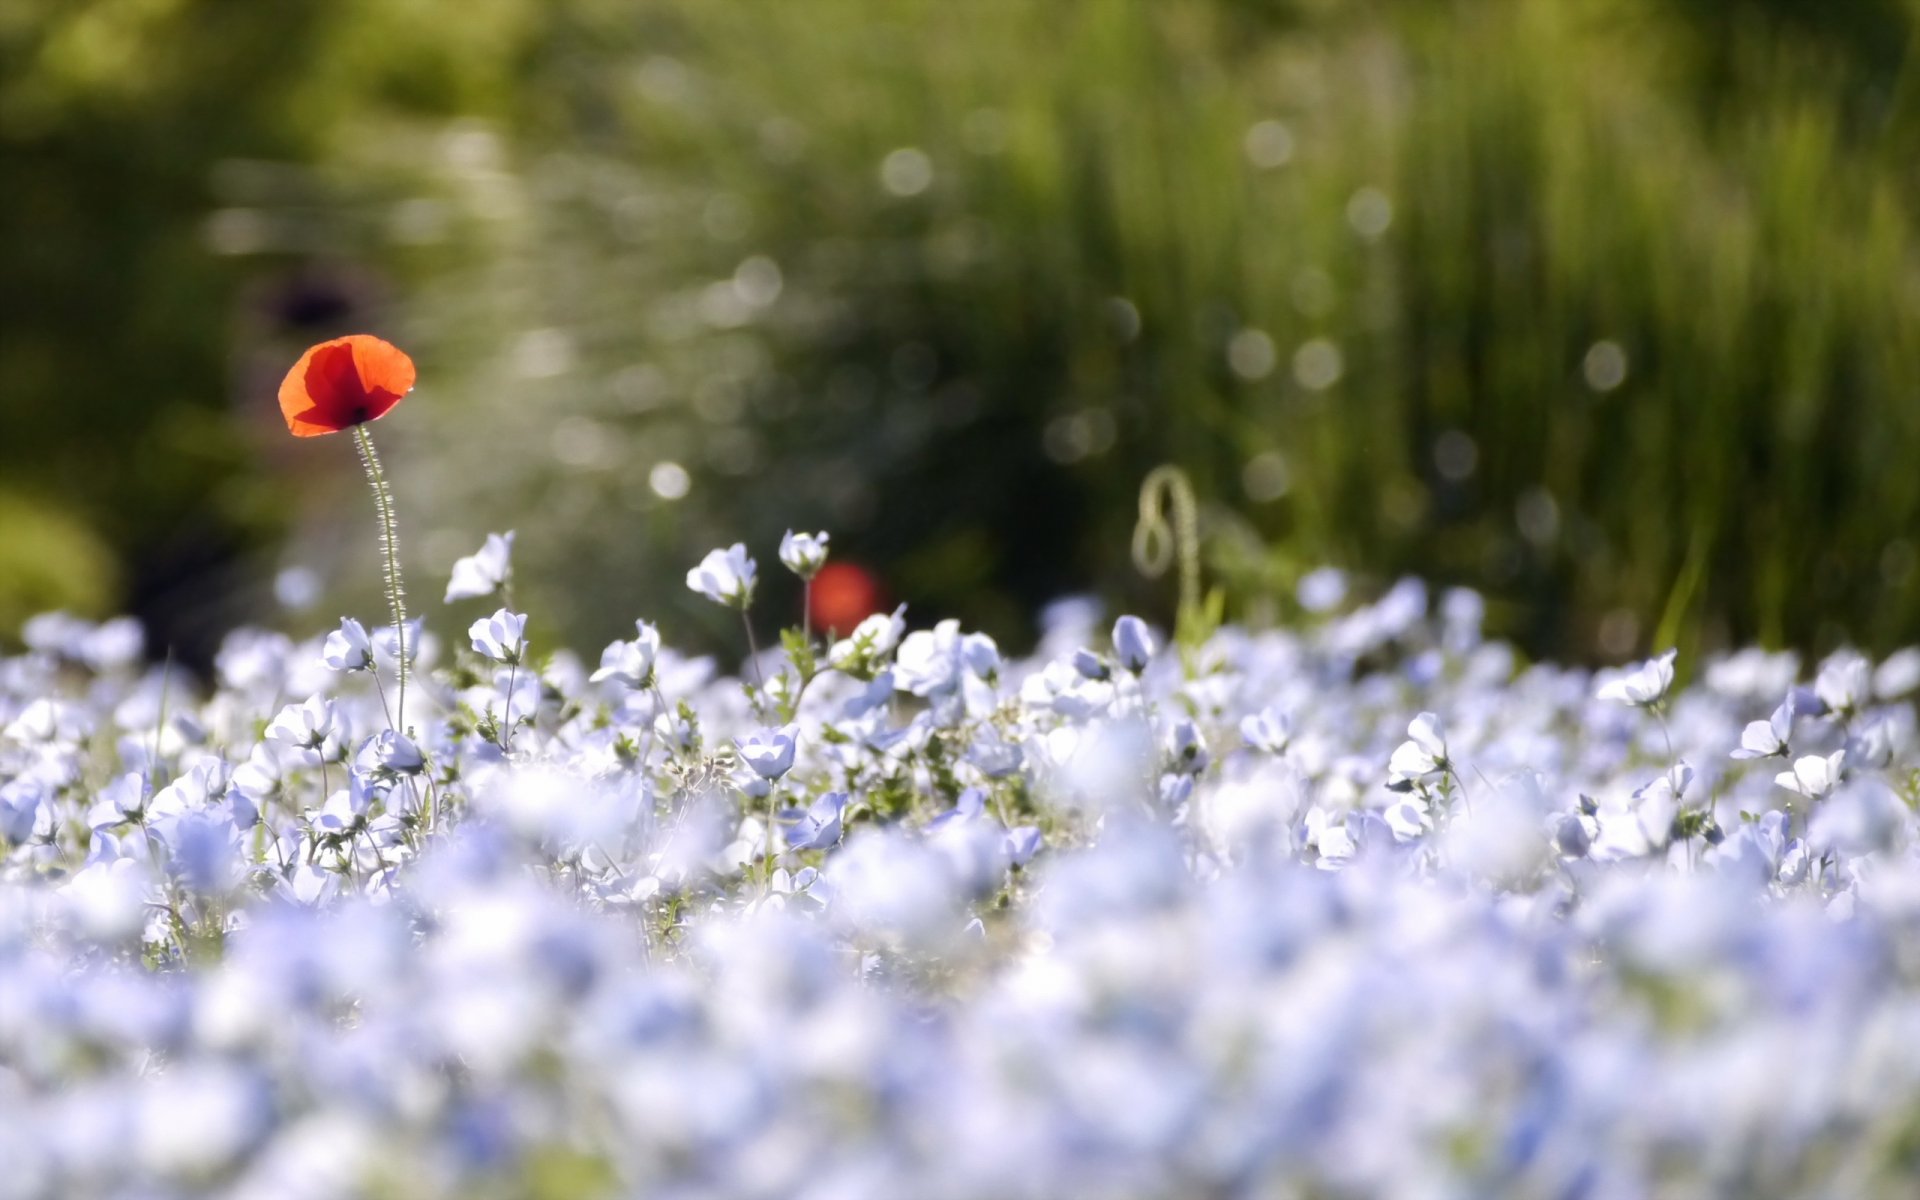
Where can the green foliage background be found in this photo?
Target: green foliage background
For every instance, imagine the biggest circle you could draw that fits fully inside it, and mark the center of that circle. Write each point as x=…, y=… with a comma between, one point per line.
x=1604, y=306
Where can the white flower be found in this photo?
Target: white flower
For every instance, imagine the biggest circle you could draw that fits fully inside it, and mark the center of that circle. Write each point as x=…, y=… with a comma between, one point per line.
x=873, y=638
x=52, y=722
x=397, y=752
x=1768, y=738
x=769, y=752
x=1658, y=803
x=304, y=726
x=725, y=577
x=929, y=660
x=348, y=648
x=1270, y=729
x=981, y=654
x=673, y=728
x=1813, y=775
x=1872, y=747
x=1423, y=753
x=1644, y=686
x=500, y=637
x=386, y=645
x=804, y=553
x=1845, y=682
x=1187, y=748
x=631, y=663
x=484, y=571
x=1898, y=675
x=259, y=777
x=1132, y=643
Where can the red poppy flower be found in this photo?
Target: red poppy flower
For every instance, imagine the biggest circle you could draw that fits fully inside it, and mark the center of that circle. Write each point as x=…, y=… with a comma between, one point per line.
x=342, y=383
x=843, y=594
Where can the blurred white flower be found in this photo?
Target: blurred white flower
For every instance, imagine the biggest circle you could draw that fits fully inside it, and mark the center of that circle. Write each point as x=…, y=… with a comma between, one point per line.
x=1269, y=730
x=630, y=663
x=1424, y=753
x=483, y=572
x=803, y=553
x=1845, y=682
x=1813, y=776
x=1768, y=738
x=398, y=753
x=348, y=648
x=1132, y=644
x=1643, y=686
x=929, y=663
x=725, y=577
x=872, y=640
x=981, y=655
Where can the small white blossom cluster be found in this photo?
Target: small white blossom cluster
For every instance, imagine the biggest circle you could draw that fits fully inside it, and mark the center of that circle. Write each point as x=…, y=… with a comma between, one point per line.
x=1369, y=907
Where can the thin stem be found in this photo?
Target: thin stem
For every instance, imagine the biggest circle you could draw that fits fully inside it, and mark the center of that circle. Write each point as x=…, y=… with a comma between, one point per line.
x=381, y=689
x=390, y=551
x=506, y=717
x=773, y=797
x=753, y=650
x=806, y=610
x=159, y=724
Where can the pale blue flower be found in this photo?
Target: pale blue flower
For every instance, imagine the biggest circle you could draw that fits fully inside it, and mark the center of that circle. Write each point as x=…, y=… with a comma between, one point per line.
x=630, y=663
x=1132, y=644
x=981, y=655
x=500, y=637
x=1813, y=775
x=969, y=805
x=386, y=645
x=1090, y=665
x=769, y=752
x=1643, y=686
x=1023, y=842
x=1768, y=738
x=1424, y=753
x=818, y=826
x=304, y=726
x=1269, y=730
x=870, y=642
x=803, y=553
x=725, y=577
x=398, y=753
x=483, y=572
x=928, y=663
x=1845, y=682
x=1187, y=749
x=348, y=647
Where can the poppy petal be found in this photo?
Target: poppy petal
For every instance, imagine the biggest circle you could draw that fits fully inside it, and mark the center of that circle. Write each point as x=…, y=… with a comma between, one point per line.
x=341, y=383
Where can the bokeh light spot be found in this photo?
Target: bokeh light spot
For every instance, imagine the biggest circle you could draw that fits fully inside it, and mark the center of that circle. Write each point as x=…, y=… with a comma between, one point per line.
x=669, y=480
x=1268, y=144
x=1318, y=364
x=1605, y=367
x=907, y=171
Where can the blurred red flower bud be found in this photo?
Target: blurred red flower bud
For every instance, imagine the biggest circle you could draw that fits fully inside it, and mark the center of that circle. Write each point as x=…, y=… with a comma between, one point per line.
x=843, y=594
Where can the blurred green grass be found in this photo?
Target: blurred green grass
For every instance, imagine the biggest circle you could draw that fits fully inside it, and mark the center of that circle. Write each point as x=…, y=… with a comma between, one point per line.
x=1604, y=306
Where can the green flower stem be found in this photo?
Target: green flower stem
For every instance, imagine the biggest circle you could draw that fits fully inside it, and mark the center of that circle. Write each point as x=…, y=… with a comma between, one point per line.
x=390, y=551
x=396, y=591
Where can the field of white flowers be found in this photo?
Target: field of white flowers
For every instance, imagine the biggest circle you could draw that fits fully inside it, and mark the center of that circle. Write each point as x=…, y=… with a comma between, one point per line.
x=1367, y=907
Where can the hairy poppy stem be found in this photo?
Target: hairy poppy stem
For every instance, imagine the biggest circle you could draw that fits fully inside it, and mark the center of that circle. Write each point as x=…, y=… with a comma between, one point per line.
x=390, y=550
